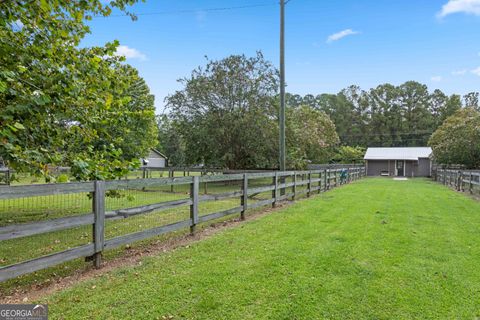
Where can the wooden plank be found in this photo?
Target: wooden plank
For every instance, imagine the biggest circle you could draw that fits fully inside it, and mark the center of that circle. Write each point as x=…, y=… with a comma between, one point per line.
x=221, y=196
x=260, y=189
x=288, y=195
x=220, y=178
x=36, y=190
x=145, y=183
x=125, y=213
x=260, y=203
x=285, y=173
x=287, y=185
x=33, y=265
x=216, y=215
x=145, y=234
x=261, y=175
x=29, y=229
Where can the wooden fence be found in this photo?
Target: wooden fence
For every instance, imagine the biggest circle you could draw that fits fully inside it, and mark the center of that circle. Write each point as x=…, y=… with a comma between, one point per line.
x=188, y=171
x=280, y=186
x=461, y=180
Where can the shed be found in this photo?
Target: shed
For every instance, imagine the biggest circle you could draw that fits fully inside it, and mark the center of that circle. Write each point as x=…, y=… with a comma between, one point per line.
x=155, y=159
x=399, y=162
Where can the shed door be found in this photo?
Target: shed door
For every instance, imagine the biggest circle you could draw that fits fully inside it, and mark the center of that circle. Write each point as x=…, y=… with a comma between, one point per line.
x=400, y=168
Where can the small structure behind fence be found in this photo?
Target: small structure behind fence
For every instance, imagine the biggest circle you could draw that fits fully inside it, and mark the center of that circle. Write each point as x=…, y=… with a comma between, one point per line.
x=460, y=180
x=45, y=225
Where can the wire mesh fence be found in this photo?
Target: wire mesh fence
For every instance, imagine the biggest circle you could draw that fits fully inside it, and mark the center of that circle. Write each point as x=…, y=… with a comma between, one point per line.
x=46, y=225
x=461, y=180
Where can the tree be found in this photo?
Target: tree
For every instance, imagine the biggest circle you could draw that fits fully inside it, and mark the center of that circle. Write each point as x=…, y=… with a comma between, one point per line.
x=456, y=141
x=227, y=111
x=442, y=106
x=388, y=115
x=347, y=154
x=414, y=102
x=472, y=100
x=65, y=105
x=385, y=116
x=170, y=141
x=311, y=137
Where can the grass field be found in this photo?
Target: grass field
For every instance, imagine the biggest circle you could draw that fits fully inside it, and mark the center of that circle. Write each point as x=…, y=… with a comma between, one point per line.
x=375, y=249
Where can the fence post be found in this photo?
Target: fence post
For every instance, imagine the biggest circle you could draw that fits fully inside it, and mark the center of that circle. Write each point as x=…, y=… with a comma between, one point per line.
x=244, y=198
x=319, y=182
x=470, y=184
x=459, y=179
x=462, y=184
x=194, y=191
x=294, y=189
x=327, y=179
x=171, y=173
x=99, y=221
x=309, y=185
x=275, y=190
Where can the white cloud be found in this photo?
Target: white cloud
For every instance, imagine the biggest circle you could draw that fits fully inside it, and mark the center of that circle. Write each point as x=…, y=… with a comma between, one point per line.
x=476, y=71
x=459, y=72
x=130, y=53
x=341, y=34
x=460, y=6
x=436, y=78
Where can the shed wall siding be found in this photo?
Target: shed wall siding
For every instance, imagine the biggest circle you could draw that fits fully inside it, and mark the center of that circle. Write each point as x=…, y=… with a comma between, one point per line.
x=412, y=168
x=423, y=167
x=375, y=167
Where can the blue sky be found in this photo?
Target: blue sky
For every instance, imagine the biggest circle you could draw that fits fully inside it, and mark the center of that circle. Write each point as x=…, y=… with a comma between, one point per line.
x=329, y=44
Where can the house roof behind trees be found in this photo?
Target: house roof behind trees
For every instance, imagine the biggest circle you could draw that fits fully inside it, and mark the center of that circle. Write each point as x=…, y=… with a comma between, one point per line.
x=413, y=153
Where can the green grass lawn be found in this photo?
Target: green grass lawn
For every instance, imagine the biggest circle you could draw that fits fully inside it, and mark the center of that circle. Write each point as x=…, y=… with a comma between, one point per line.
x=375, y=249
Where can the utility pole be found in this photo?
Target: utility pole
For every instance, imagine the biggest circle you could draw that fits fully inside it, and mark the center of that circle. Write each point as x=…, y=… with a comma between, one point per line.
x=282, y=86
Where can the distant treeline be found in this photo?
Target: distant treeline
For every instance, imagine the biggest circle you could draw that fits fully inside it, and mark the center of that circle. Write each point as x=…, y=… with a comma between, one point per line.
x=388, y=115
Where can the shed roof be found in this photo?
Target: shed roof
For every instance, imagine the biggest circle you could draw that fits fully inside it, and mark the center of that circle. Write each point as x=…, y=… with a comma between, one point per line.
x=398, y=153
x=159, y=153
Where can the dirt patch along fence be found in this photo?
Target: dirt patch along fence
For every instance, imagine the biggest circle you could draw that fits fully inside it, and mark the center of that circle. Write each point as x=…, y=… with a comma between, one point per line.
x=46, y=225
x=460, y=180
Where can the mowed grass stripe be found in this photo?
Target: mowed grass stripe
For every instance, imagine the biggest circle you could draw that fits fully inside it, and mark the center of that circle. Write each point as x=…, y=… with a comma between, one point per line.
x=375, y=249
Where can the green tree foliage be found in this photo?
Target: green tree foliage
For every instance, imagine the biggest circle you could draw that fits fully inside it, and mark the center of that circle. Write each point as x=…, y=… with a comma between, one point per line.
x=171, y=141
x=388, y=115
x=226, y=112
x=311, y=137
x=347, y=154
x=472, y=100
x=457, y=140
x=65, y=105
x=227, y=116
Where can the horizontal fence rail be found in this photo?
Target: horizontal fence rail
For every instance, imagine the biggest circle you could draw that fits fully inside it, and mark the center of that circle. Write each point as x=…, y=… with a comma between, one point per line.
x=251, y=189
x=460, y=180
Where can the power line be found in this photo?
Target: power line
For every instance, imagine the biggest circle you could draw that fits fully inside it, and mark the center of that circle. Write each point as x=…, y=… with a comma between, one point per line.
x=387, y=134
x=186, y=11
